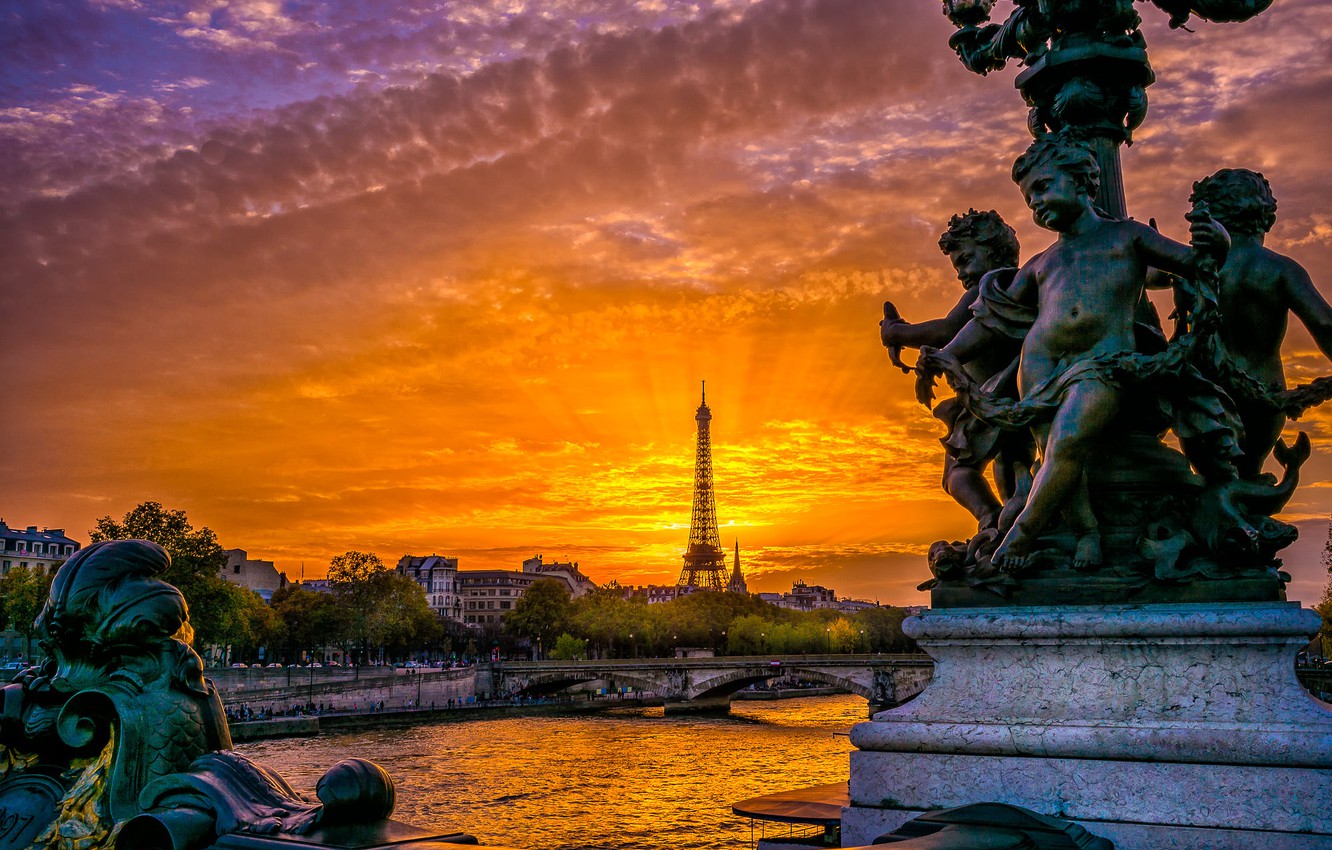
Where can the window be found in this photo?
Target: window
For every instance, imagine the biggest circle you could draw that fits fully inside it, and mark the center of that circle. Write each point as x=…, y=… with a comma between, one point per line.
x=504, y=606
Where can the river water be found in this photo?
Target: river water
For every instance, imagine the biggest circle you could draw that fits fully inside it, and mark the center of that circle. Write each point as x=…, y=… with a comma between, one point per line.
x=623, y=779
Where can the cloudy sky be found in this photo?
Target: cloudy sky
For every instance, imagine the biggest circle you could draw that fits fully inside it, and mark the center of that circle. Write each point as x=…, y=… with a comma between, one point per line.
x=444, y=277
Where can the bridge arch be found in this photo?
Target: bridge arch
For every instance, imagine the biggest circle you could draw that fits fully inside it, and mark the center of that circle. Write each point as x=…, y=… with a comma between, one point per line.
x=559, y=680
x=832, y=680
x=548, y=683
x=738, y=680
x=732, y=682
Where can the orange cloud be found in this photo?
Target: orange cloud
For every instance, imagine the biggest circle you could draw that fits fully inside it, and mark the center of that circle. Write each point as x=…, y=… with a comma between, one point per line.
x=461, y=302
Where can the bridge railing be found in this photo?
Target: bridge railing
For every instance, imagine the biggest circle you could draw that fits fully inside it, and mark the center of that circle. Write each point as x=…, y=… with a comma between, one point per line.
x=821, y=660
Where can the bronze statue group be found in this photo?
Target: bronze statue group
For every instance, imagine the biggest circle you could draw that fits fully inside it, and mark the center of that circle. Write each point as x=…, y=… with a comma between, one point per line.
x=1065, y=384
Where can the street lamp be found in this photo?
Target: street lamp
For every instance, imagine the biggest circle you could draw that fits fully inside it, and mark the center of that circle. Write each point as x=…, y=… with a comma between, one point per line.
x=828, y=631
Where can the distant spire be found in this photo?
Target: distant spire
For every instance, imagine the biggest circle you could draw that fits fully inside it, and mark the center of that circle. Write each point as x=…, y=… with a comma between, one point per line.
x=737, y=582
x=705, y=391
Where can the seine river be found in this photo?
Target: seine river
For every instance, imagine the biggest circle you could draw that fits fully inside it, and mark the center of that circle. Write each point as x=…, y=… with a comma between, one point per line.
x=617, y=780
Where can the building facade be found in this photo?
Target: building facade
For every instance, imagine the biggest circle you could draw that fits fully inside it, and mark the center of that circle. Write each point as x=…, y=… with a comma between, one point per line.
x=41, y=550
x=813, y=597
x=253, y=574
x=803, y=597
x=438, y=577
x=488, y=595
x=45, y=550
x=579, y=584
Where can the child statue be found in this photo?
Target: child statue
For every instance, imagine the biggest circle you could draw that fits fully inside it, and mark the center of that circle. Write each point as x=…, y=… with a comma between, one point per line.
x=978, y=244
x=1083, y=291
x=1257, y=290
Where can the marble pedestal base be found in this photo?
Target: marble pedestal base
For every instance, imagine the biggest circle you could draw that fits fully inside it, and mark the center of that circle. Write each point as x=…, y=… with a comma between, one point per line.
x=1155, y=726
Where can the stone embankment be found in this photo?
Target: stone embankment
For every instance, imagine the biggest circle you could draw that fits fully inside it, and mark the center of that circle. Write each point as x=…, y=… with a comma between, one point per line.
x=309, y=726
x=341, y=689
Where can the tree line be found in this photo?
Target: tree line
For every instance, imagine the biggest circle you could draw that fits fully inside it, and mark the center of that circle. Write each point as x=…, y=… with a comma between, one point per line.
x=372, y=613
x=604, y=624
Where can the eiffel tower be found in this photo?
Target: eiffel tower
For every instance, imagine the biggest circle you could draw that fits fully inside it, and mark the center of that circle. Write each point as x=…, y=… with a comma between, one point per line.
x=704, y=560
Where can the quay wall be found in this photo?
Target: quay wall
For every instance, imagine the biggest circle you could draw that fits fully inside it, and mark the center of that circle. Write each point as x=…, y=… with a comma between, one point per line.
x=304, y=727
x=343, y=689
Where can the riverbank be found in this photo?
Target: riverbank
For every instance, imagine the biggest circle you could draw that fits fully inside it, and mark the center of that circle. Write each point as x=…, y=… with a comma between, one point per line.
x=395, y=718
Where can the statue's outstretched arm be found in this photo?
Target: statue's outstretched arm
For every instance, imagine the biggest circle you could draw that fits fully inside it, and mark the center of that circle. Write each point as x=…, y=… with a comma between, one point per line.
x=1309, y=305
x=933, y=332
x=971, y=342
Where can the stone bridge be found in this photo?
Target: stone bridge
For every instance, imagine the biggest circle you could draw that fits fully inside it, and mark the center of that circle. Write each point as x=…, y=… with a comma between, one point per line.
x=707, y=684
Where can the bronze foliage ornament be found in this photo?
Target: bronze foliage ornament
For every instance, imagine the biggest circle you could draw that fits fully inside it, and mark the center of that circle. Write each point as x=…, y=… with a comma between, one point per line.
x=118, y=740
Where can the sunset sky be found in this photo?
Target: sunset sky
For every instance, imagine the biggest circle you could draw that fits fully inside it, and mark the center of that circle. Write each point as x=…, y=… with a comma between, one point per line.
x=446, y=279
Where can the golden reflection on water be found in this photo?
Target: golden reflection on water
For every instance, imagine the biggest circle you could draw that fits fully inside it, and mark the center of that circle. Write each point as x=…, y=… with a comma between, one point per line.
x=617, y=780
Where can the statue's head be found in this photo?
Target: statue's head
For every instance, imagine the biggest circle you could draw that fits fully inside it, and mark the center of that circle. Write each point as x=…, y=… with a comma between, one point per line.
x=1059, y=178
x=1238, y=198
x=1071, y=157
x=979, y=242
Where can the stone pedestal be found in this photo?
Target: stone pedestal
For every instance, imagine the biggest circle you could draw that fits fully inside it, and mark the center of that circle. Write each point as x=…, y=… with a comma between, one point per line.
x=1155, y=726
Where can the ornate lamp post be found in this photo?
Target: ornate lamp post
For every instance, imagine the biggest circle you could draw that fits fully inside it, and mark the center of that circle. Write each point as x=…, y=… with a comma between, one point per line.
x=1086, y=65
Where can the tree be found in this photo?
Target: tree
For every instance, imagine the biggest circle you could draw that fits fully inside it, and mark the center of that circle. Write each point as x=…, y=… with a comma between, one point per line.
x=247, y=621
x=354, y=567
x=746, y=635
x=607, y=620
x=569, y=648
x=401, y=617
x=306, y=621
x=23, y=592
x=352, y=576
x=1324, y=606
x=883, y=630
x=1324, y=609
x=843, y=636
x=196, y=563
x=542, y=613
